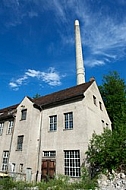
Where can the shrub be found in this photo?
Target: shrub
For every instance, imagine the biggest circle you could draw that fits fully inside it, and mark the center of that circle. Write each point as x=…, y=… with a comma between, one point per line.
x=107, y=151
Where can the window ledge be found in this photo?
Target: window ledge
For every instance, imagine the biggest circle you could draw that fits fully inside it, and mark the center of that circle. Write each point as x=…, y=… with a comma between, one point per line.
x=52, y=131
x=68, y=129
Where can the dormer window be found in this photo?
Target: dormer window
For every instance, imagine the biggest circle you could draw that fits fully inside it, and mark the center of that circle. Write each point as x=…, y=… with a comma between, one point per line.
x=23, y=114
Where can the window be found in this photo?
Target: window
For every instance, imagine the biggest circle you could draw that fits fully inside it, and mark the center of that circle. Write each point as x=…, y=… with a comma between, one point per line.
x=106, y=124
x=100, y=105
x=49, y=153
x=20, y=142
x=13, y=167
x=23, y=114
x=103, y=125
x=68, y=120
x=72, y=163
x=53, y=123
x=5, y=160
x=1, y=128
x=10, y=127
x=21, y=168
x=94, y=100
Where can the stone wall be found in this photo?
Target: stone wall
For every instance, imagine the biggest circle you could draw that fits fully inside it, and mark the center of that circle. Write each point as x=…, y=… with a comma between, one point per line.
x=113, y=181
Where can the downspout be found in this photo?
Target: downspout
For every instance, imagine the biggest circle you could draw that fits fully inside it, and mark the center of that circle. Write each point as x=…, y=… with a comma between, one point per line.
x=11, y=142
x=39, y=148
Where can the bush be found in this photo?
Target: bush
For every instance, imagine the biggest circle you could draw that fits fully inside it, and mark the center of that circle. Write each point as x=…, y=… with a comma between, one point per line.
x=60, y=182
x=107, y=151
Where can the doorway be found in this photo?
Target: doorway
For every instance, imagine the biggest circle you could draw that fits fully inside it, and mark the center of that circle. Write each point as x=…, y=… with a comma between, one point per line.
x=48, y=169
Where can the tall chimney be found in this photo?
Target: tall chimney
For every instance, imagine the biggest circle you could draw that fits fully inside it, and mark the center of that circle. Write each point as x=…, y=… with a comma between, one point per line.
x=79, y=57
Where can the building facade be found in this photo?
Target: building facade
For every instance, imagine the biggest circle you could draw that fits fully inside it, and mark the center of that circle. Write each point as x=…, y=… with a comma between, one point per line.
x=49, y=135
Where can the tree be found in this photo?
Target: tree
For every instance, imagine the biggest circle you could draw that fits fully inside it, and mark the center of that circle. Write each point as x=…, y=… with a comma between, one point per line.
x=107, y=152
x=36, y=96
x=113, y=91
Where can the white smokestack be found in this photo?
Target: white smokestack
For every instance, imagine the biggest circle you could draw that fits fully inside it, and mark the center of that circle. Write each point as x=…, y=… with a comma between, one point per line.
x=79, y=56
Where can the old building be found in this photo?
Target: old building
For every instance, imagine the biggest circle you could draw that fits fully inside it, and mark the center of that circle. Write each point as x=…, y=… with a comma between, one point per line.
x=49, y=135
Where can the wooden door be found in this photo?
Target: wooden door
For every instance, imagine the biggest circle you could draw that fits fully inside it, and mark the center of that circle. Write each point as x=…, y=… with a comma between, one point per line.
x=48, y=169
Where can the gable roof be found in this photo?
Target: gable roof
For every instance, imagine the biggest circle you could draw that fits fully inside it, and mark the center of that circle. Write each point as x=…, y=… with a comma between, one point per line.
x=62, y=96
x=8, y=112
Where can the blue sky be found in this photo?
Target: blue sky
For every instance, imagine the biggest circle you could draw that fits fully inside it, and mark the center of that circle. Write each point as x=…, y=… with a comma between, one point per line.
x=37, y=50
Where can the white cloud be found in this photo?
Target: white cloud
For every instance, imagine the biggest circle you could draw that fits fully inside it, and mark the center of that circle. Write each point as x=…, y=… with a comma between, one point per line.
x=103, y=33
x=51, y=77
x=94, y=62
x=33, y=73
x=13, y=85
x=104, y=37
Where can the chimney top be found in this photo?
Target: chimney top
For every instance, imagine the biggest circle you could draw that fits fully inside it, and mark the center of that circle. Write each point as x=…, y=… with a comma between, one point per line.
x=92, y=79
x=76, y=23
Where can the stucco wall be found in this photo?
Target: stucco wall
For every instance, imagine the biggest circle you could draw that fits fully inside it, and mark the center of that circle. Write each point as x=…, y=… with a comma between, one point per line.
x=87, y=118
x=30, y=128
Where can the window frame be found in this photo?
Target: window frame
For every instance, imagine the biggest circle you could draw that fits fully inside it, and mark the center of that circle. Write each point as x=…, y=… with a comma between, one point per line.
x=5, y=159
x=23, y=114
x=49, y=154
x=1, y=128
x=10, y=127
x=53, y=123
x=13, y=167
x=20, y=139
x=21, y=168
x=100, y=105
x=103, y=123
x=68, y=119
x=72, y=163
x=94, y=100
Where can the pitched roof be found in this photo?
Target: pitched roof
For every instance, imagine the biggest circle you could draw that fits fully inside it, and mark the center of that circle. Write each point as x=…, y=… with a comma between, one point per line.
x=60, y=97
x=68, y=94
x=8, y=112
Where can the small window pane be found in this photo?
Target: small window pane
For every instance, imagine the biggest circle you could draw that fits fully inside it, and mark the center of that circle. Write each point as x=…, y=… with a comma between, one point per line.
x=100, y=105
x=21, y=168
x=72, y=163
x=68, y=120
x=53, y=123
x=5, y=160
x=10, y=127
x=94, y=100
x=23, y=114
x=49, y=153
x=1, y=128
x=20, y=142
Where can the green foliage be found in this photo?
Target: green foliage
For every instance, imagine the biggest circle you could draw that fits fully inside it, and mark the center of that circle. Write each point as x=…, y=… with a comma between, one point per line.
x=36, y=96
x=6, y=183
x=113, y=91
x=60, y=182
x=107, y=151
x=9, y=184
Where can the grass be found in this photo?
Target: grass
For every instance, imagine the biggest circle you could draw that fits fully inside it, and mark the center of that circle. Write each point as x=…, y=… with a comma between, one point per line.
x=60, y=182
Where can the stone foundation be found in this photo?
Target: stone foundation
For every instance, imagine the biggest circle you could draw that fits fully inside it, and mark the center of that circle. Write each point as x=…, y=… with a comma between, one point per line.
x=112, y=181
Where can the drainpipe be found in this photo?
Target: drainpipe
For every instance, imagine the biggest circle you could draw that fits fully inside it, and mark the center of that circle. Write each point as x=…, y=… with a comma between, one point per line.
x=11, y=142
x=39, y=148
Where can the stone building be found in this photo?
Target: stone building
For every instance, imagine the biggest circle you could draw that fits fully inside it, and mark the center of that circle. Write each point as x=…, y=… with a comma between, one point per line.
x=49, y=135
